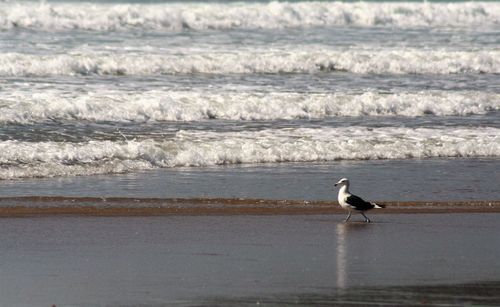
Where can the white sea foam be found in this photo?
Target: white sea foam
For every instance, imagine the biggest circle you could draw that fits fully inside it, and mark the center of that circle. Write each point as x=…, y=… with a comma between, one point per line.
x=201, y=16
x=310, y=60
x=201, y=148
x=161, y=105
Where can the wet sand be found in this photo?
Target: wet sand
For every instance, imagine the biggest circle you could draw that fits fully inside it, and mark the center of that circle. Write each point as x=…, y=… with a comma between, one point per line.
x=88, y=206
x=277, y=259
x=247, y=235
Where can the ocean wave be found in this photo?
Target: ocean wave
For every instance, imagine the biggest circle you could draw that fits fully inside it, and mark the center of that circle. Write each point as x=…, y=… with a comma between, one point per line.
x=158, y=105
x=203, y=16
x=398, y=61
x=202, y=148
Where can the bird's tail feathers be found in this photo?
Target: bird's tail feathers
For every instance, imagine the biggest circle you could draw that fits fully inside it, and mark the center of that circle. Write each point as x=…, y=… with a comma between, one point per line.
x=377, y=206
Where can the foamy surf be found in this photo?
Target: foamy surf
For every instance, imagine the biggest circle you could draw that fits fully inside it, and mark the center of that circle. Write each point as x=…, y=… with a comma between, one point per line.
x=110, y=87
x=169, y=105
x=213, y=15
x=204, y=148
x=385, y=61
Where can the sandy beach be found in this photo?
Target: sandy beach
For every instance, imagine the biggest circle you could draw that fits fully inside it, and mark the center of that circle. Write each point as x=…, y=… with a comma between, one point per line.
x=228, y=260
x=114, y=206
x=193, y=237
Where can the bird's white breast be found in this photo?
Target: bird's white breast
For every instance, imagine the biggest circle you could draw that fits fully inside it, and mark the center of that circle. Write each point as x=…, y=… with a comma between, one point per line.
x=342, y=198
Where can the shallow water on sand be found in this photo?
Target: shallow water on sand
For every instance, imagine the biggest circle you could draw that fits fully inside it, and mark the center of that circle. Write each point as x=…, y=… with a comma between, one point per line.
x=238, y=260
x=399, y=180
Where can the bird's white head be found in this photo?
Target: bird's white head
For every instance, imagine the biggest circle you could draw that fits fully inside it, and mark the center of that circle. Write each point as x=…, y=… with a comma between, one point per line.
x=342, y=182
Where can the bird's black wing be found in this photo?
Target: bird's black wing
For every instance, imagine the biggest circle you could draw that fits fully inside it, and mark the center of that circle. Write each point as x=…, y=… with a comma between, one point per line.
x=358, y=203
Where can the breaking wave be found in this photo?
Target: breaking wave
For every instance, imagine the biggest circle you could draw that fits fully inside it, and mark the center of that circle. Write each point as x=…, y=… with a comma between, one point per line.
x=203, y=16
x=115, y=106
x=197, y=148
x=404, y=61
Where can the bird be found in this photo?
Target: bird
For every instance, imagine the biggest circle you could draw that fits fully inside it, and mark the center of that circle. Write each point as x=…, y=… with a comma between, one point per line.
x=352, y=202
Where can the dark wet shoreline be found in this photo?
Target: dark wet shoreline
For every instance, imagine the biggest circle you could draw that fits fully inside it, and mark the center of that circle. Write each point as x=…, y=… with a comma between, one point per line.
x=116, y=206
x=242, y=260
x=484, y=293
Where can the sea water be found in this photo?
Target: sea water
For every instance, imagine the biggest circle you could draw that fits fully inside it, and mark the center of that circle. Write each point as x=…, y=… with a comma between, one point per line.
x=107, y=87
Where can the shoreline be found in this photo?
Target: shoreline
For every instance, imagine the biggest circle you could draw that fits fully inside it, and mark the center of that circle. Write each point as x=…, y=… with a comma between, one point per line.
x=119, y=206
x=225, y=260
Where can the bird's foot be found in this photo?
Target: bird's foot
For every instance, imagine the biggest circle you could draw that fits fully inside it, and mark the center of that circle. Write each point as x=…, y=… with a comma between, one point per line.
x=367, y=220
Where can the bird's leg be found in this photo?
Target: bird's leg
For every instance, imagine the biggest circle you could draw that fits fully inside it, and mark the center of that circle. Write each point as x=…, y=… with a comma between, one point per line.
x=348, y=217
x=366, y=218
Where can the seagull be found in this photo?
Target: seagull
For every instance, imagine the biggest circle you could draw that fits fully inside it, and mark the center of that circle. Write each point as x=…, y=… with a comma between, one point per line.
x=352, y=202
